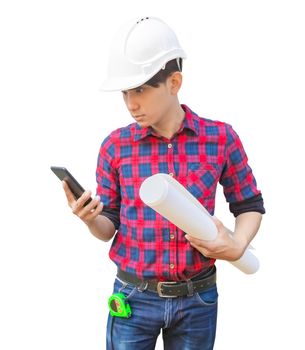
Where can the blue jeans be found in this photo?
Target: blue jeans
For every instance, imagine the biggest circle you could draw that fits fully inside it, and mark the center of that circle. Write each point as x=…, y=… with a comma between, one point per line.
x=187, y=323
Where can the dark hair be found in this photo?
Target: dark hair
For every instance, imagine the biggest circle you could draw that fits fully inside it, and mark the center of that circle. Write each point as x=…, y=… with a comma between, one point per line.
x=170, y=67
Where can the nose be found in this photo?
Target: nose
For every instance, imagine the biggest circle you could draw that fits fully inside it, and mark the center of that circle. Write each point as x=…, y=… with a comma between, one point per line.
x=131, y=102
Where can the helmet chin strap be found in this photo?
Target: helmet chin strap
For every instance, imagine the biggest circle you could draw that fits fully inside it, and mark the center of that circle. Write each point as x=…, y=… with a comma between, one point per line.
x=178, y=64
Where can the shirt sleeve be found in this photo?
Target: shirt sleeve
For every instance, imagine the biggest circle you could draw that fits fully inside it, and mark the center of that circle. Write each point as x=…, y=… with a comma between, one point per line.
x=108, y=185
x=237, y=178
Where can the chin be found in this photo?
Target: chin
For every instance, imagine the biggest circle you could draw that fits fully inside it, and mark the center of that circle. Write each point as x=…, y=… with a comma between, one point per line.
x=143, y=124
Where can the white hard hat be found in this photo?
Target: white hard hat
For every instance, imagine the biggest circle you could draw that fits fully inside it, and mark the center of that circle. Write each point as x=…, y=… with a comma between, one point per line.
x=140, y=49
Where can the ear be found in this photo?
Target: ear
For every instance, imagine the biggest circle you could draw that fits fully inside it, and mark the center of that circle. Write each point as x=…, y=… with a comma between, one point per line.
x=175, y=82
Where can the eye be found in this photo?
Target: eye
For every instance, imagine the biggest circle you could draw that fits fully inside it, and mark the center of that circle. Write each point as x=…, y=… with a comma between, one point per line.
x=139, y=90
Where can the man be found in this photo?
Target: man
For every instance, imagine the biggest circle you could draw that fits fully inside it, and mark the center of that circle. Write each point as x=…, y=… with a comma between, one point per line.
x=167, y=277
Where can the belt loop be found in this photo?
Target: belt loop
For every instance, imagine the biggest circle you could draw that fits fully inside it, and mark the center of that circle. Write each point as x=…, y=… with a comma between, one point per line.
x=124, y=285
x=143, y=286
x=190, y=288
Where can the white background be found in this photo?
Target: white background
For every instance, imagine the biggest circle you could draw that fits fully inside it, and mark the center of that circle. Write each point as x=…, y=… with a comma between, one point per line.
x=245, y=66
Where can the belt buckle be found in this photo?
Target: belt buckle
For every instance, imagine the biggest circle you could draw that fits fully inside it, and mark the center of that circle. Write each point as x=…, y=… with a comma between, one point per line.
x=159, y=290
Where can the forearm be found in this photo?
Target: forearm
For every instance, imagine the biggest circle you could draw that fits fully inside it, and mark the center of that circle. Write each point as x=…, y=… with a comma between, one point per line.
x=102, y=228
x=246, y=227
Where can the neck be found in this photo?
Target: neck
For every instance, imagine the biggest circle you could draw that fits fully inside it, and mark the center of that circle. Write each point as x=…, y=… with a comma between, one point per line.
x=171, y=122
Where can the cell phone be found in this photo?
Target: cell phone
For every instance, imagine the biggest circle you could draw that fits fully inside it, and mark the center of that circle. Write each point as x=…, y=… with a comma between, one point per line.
x=64, y=175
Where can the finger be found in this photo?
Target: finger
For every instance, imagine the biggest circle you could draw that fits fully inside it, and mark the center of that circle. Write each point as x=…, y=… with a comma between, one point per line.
x=94, y=203
x=70, y=197
x=93, y=214
x=200, y=242
x=217, y=222
x=80, y=203
x=204, y=246
x=90, y=208
x=202, y=250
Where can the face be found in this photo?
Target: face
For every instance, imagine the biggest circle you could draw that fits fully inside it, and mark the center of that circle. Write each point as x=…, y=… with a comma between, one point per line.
x=150, y=106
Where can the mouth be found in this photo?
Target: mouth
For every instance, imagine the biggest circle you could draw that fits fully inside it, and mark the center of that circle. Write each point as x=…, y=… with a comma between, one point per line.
x=140, y=116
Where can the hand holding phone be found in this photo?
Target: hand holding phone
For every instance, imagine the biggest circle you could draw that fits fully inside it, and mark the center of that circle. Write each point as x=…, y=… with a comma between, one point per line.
x=83, y=206
x=64, y=175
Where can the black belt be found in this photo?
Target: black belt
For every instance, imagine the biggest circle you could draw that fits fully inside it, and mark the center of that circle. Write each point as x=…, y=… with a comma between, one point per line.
x=171, y=289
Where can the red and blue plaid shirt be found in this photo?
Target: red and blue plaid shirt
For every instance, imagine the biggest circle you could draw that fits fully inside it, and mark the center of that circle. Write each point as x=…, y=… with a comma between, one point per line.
x=201, y=154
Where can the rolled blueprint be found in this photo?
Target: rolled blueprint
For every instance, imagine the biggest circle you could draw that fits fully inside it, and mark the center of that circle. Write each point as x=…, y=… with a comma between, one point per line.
x=174, y=202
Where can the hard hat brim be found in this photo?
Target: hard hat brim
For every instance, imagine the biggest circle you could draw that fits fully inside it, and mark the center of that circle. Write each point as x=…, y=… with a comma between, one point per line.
x=127, y=83
x=123, y=83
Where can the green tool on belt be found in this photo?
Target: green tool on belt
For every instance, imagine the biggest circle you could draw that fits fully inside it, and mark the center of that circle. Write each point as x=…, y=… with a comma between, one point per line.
x=118, y=306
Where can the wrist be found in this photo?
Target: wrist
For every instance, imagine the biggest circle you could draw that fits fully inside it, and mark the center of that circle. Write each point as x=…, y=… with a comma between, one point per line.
x=91, y=223
x=240, y=245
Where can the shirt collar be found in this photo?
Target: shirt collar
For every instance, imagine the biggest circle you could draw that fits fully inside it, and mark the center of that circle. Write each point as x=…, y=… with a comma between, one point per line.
x=190, y=122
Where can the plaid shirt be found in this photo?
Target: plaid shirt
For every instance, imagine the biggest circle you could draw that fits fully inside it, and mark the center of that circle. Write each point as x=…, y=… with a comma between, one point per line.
x=201, y=154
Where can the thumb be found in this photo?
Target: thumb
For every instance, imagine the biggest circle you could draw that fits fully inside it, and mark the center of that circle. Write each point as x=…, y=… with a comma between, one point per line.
x=217, y=222
x=69, y=194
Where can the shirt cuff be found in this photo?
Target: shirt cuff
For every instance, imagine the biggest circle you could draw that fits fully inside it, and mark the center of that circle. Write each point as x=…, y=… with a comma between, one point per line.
x=113, y=215
x=254, y=203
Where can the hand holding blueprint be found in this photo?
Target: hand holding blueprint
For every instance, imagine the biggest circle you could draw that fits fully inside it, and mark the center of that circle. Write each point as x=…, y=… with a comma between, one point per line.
x=174, y=202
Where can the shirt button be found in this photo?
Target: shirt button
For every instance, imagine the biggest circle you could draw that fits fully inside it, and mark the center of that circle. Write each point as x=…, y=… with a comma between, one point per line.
x=172, y=236
x=169, y=145
x=172, y=266
x=171, y=174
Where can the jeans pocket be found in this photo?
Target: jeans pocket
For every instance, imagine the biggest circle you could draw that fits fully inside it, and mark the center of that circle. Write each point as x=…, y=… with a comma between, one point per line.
x=125, y=288
x=207, y=297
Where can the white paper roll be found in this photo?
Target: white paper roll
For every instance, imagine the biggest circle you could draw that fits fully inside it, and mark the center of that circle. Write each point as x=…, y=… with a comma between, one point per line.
x=170, y=199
